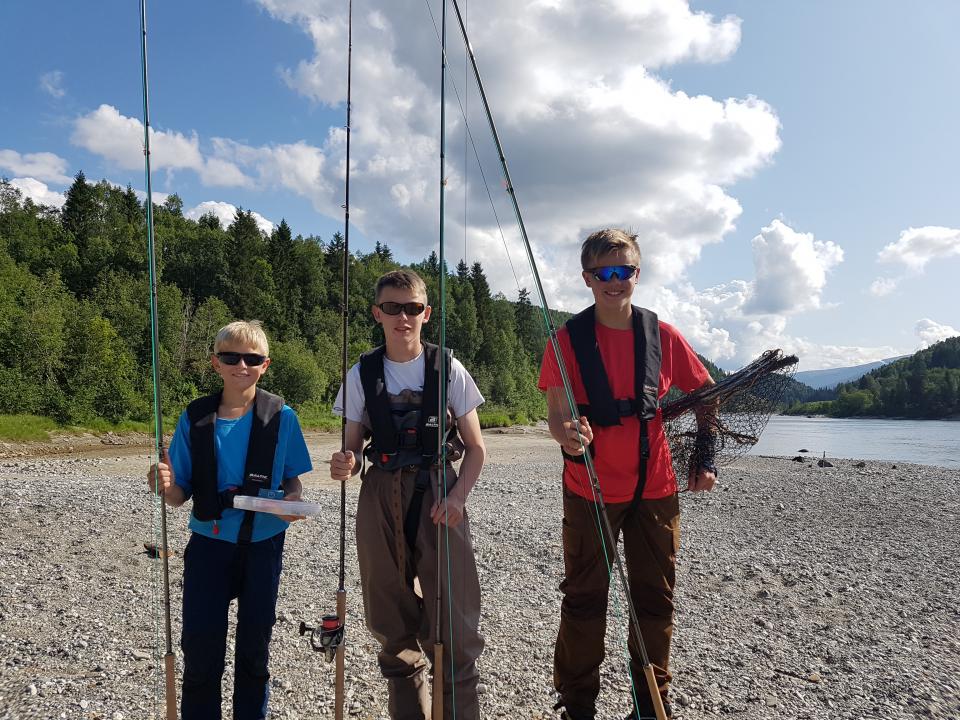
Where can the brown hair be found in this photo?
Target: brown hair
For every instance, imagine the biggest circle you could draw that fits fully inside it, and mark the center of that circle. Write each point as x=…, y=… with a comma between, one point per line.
x=604, y=241
x=402, y=279
x=245, y=332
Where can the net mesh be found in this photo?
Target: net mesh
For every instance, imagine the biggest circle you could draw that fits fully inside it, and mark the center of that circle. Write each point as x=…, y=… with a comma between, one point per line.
x=743, y=403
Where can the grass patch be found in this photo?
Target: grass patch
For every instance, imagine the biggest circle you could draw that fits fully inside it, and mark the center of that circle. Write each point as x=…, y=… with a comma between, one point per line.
x=494, y=416
x=317, y=416
x=25, y=427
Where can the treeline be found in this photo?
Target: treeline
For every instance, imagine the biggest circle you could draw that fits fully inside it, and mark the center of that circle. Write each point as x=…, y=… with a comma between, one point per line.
x=924, y=385
x=74, y=310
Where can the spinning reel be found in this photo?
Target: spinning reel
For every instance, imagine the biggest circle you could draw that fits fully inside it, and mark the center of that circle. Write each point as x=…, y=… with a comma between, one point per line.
x=327, y=637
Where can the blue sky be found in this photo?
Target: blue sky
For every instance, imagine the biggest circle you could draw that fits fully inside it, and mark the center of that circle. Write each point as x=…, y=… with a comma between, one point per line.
x=778, y=160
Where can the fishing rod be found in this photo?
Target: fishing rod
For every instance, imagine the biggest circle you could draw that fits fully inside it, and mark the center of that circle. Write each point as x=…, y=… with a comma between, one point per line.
x=652, y=685
x=170, y=684
x=328, y=637
x=341, y=589
x=442, y=394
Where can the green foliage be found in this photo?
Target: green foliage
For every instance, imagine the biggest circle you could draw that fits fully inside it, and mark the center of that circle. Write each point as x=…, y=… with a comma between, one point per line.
x=19, y=428
x=494, y=416
x=924, y=385
x=294, y=373
x=75, y=342
x=315, y=415
x=818, y=407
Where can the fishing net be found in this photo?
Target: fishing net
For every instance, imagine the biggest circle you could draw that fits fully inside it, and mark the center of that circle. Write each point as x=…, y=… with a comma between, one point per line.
x=743, y=403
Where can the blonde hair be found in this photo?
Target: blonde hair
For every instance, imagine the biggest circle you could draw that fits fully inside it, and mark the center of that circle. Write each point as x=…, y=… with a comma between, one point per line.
x=606, y=241
x=402, y=279
x=243, y=332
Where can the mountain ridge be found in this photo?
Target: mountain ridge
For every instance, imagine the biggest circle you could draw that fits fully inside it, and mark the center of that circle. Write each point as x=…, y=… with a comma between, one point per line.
x=829, y=378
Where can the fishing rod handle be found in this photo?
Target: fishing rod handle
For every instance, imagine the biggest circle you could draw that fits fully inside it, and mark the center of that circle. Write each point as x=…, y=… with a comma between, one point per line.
x=655, y=693
x=438, y=680
x=171, y=686
x=339, y=694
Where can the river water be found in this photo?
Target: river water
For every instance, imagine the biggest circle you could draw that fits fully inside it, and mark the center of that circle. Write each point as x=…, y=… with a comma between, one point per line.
x=925, y=442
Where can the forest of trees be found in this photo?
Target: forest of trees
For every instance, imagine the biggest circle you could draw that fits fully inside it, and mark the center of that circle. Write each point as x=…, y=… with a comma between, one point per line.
x=74, y=317
x=924, y=385
x=74, y=310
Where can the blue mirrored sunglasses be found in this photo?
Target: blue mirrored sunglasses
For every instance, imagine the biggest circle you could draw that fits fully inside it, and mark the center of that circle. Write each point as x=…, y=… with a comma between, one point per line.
x=609, y=272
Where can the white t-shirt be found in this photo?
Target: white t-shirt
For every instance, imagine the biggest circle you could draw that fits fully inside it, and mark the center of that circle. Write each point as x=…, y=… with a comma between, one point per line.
x=462, y=392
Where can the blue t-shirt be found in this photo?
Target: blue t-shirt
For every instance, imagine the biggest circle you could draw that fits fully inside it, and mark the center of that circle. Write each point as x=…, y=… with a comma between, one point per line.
x=231, y=437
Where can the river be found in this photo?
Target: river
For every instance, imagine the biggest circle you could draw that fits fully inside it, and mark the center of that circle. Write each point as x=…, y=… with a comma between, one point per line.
x=925, y=442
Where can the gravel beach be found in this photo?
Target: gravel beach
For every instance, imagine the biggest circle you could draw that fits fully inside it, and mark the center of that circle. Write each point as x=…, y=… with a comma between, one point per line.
x=803, y=592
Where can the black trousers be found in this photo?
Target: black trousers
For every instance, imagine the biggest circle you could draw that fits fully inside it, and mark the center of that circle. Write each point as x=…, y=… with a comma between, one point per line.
x=216, y=572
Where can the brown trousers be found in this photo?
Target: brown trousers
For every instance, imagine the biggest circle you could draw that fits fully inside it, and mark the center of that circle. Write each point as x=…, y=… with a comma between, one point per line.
x=403, y=622
x=651, y=538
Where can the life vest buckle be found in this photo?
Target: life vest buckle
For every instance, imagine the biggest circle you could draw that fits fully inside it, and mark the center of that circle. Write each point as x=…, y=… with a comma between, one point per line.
x=408, y=439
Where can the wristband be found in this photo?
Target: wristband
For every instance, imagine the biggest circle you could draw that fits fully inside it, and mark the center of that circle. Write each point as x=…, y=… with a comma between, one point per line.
x=705, y=451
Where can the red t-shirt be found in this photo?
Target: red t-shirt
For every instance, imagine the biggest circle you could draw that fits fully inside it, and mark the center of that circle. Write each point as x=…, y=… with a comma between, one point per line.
x=617, y=448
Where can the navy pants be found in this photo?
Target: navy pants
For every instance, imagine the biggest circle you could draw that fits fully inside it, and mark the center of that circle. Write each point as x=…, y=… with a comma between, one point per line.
x=214, y=573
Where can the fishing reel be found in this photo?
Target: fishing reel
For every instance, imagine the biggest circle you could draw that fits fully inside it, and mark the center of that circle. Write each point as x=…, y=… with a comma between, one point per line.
x=327, y=637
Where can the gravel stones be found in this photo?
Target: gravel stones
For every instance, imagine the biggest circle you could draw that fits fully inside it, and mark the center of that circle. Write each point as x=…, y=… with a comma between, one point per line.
x=803, y=592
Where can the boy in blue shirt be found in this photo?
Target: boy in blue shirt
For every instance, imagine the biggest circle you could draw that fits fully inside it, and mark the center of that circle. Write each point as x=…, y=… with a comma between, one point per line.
x=246, y=441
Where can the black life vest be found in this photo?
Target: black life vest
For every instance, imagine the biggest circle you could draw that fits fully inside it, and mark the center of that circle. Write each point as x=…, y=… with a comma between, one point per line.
x=208, y=502
x=602, y=409
x=405, y=427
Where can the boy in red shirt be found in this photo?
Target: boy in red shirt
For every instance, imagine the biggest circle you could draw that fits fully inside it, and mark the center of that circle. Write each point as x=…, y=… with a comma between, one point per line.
x=611, y=350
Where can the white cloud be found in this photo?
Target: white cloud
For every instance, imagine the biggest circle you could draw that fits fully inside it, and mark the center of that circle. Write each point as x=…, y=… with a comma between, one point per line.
x=38, y=192
x=883, y=286
x=296, y=166
x=791, y=269
x=119, y=139
x=931, y=332
x=52, y=84
x=225, y=212
x=591, y=143
x=42, y=166
x=918, y=246
x=159, y=198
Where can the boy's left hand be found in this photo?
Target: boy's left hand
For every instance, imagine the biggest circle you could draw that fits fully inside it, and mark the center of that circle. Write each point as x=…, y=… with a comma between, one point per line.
x=701, y=480
x=451, y=515
x=293, y=495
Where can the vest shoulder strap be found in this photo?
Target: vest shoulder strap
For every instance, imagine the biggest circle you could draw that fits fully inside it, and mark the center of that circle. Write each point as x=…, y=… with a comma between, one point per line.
x=376, y=400
x=202, y=414
x=583, y=338
x=647, y=359
x=430, y=409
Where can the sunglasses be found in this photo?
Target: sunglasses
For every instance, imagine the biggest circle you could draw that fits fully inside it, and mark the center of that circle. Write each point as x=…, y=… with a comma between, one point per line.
x=394, y=308
x=234, y=358
x=608, y=273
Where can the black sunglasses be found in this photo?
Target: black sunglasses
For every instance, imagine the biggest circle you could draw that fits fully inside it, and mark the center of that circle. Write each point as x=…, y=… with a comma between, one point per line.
x=394, y=308
x=233, y=358
x=608, y=273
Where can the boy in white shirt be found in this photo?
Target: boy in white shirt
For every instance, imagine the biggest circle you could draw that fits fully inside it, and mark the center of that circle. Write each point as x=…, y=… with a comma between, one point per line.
x=393, y=397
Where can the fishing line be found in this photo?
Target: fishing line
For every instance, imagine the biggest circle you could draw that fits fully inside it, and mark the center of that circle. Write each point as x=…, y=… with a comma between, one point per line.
x=469, y=134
